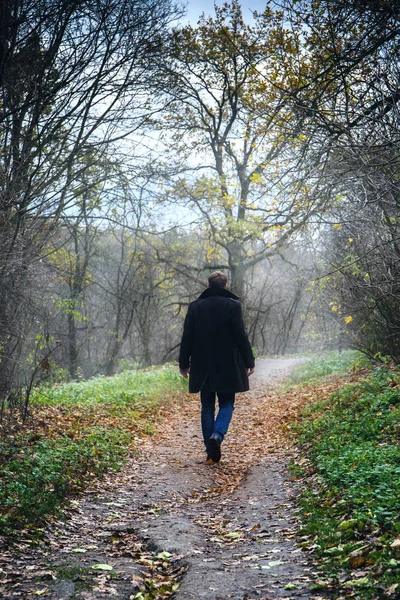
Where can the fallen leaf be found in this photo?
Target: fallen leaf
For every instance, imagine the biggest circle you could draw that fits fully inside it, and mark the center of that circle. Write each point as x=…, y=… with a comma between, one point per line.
x=290, y=586
x=392, y=589
x=102, y=567
x=234, y=535
x=275, y=563
x=356, y=562
x=164, y=555
x=357, y=582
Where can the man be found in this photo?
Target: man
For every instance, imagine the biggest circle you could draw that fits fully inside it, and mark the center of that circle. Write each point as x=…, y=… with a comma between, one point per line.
x=216, y=354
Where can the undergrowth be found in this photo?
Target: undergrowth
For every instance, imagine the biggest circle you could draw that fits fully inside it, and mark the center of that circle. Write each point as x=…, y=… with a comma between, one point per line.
x=78, y=432
x=350, y=504
x=331, y=363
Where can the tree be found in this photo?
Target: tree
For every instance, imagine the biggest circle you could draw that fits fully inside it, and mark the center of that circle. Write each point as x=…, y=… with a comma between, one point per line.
x=72, y=253
x=361, y=278
x=74, y=75
x=349, y=107
x=230, y=119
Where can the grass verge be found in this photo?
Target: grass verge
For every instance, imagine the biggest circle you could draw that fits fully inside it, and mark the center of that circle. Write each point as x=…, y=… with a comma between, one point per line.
x=79, y=431
x=332, y=363
x=350, y=471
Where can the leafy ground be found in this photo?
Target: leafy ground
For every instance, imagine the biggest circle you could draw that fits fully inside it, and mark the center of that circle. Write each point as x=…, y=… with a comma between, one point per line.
x=171, y=525
x=351, y=472
x=77, y=432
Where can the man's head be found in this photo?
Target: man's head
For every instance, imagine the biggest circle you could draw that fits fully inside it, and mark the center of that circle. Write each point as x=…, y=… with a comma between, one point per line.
x=217, y=280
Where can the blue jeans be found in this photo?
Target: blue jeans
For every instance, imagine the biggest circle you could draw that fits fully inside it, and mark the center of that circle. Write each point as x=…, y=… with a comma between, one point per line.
x=209, y=424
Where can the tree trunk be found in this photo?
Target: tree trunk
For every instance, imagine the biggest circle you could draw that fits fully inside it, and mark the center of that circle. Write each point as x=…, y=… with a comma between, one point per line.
x=72, y=347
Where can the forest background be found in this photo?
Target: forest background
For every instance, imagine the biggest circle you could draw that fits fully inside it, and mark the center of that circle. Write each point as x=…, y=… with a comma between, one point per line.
x=138, y=155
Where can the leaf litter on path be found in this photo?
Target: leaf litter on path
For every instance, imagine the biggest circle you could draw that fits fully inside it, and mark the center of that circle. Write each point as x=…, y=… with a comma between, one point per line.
x=168, y=516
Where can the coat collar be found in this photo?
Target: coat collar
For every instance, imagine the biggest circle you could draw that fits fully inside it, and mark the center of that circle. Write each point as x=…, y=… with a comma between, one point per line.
x=213, y=291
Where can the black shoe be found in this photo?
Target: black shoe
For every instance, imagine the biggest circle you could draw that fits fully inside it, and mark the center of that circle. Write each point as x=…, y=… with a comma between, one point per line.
x=214, y=448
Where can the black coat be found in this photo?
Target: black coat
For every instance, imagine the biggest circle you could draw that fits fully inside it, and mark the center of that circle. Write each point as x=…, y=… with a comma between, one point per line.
x=214, y=343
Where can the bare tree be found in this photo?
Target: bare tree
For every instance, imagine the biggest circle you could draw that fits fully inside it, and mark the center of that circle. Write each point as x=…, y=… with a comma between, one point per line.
x=74, y=74
x=349, y=107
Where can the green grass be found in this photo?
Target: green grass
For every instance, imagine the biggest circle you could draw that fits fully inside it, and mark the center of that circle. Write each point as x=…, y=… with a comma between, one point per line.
x=351, y=500
x=81, y=431
x=131, y=388
x=331, y=363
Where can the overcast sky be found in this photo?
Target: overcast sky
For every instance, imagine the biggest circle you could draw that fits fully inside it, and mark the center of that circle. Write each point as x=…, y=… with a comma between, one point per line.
x=196, y=7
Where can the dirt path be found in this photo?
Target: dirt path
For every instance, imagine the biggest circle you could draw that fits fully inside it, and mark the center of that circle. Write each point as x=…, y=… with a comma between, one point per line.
x=220, y=531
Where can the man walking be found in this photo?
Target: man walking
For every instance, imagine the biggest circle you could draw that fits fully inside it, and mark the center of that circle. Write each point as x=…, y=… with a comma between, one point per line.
x=216, y=354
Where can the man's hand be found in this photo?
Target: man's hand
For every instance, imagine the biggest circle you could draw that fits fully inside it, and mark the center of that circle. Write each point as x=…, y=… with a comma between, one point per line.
x=250, y=371
x=184, y=373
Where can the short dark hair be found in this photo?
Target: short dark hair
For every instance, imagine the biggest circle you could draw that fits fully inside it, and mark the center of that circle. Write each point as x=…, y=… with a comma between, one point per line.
x=218, y=279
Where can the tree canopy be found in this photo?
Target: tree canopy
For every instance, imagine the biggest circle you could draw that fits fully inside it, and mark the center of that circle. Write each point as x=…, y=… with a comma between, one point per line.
x=231, y=124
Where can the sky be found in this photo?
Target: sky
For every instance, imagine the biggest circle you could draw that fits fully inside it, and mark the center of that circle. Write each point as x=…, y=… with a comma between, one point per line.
x=196, y=7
